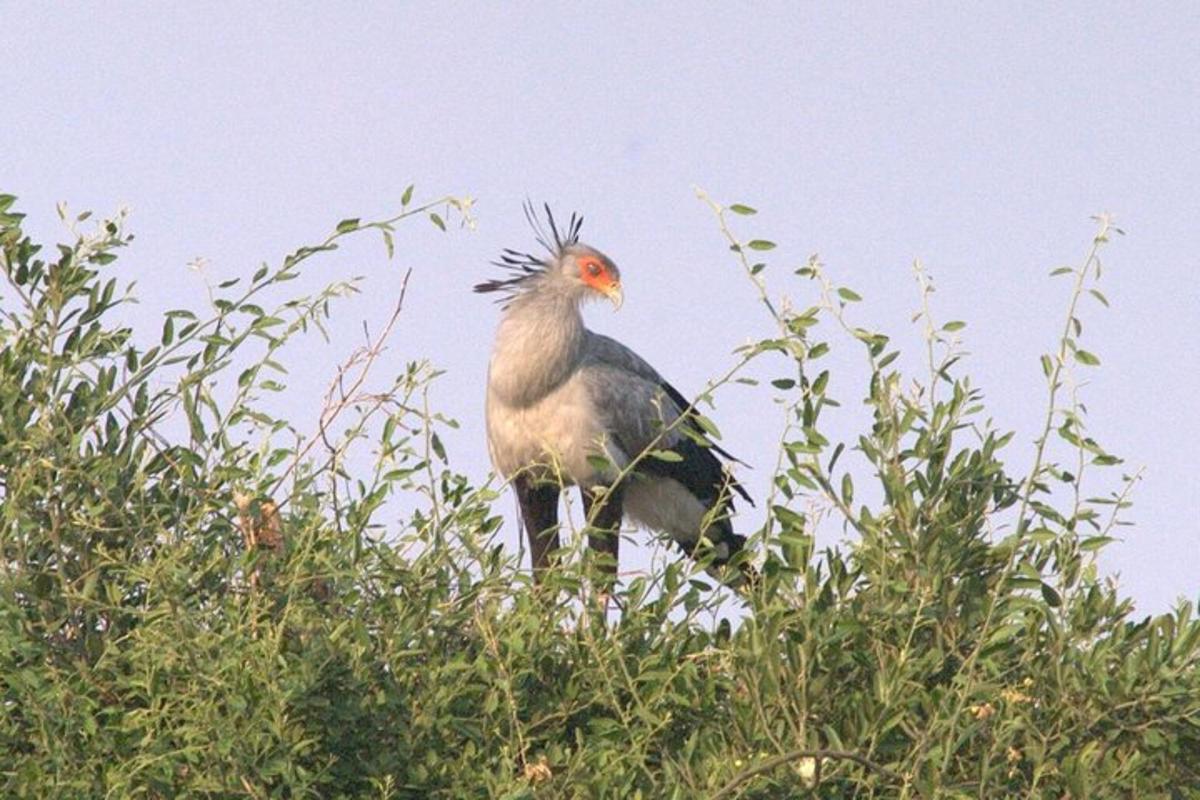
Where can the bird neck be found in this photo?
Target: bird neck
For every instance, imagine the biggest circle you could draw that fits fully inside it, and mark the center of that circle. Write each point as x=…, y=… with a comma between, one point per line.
x=538, y=346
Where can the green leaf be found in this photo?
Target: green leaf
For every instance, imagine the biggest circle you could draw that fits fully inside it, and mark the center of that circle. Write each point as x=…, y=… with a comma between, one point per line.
x=1042, y=535
x=1096, y=293
x=1095, y=543
x=347, y=225
x=1061, y=271
x=707, y=425
x=837, y=452
x=1051, y=596
x=760, y=244
x=790, y=519
x=669, y=456
x=783, y=383
x=599, y=463
x=437, y=220
x=745, y=211
x=1084, y=357
x=1004, y=633
x=849, y=295
x=263, y=323
x=407, y=196
x=1024, y=583
x=954, y=325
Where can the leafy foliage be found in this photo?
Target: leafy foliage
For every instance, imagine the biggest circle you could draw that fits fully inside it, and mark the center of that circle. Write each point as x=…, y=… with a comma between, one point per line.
x=199, y=600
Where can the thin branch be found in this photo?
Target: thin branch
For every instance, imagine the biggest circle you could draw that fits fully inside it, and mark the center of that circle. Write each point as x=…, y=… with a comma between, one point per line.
x=365, y=357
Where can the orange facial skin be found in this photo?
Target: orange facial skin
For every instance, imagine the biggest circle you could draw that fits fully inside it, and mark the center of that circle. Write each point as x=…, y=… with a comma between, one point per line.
x=595, y=274
x=601, y=278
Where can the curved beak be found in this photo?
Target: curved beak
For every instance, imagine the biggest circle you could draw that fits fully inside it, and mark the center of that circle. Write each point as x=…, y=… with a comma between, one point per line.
x=613, y=293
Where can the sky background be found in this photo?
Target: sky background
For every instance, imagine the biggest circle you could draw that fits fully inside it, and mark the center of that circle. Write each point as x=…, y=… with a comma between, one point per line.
x=978, y=138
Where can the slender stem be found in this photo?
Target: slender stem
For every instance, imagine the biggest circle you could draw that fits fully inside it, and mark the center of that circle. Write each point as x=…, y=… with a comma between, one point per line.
x=968, y=667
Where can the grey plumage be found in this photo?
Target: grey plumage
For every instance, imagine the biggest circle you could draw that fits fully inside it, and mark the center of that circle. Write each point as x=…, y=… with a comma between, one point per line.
x=566, y=406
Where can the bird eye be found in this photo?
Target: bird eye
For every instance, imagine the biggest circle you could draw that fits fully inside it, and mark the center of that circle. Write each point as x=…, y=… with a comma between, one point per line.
x=593, y=268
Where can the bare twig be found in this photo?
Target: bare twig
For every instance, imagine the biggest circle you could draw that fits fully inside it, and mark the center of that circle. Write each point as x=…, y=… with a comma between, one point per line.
x=339, y=397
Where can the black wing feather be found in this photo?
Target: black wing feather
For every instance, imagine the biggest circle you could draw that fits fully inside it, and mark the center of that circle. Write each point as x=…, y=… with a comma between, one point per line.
x=699, y=470
x=684, y=404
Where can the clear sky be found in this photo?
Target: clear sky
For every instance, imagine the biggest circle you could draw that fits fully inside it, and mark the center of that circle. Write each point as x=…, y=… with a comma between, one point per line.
x=976, y=137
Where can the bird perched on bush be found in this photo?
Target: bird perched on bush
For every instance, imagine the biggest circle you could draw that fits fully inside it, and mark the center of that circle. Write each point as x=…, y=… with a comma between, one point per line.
x=566, y=406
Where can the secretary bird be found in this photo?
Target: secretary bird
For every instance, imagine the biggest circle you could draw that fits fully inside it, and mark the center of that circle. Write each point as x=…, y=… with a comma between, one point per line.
x=567, y=406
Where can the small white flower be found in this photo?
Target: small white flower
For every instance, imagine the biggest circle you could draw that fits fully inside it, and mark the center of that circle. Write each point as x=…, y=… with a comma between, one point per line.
x=807, y=770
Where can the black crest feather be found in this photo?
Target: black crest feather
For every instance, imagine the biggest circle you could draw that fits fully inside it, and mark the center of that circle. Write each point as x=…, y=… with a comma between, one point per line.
x=523, y=267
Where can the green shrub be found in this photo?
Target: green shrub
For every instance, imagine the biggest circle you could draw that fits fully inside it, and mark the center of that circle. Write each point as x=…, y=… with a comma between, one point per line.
x=198, y=600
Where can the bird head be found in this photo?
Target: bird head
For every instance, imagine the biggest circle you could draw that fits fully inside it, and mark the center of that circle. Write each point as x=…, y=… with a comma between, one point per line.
x=590, y=273
x=572, y=269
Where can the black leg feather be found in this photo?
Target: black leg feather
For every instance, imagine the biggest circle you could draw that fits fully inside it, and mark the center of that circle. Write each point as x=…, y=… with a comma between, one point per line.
x=539, y=512
x=603, y=512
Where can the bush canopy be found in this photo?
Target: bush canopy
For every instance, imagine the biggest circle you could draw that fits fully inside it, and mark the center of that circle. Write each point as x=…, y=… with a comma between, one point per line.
x=200, y=599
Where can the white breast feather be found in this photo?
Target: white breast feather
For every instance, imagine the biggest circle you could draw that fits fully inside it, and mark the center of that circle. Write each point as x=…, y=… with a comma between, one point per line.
x=558, y=432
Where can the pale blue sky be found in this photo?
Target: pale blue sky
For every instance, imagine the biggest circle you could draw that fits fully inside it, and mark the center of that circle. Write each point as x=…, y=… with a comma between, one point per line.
x=976, y=137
